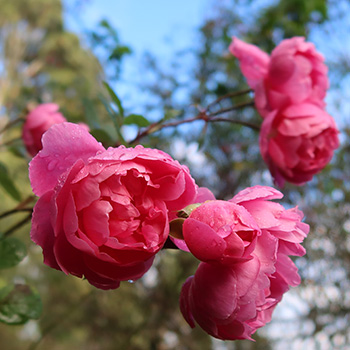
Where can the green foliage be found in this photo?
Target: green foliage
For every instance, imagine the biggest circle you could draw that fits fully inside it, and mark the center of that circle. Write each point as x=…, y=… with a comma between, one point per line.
x=106, y=37
x=7, y=183
x=136, y=119
x=12, y=252
x=18, y=304
x=115, y=99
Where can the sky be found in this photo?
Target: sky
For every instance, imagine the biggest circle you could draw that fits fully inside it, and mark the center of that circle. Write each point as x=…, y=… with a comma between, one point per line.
x=152, y=25
x=162, y=27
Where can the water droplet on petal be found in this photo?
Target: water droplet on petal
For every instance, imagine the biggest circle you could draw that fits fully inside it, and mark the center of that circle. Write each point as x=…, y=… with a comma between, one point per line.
x=131, y=281
x=52, y=165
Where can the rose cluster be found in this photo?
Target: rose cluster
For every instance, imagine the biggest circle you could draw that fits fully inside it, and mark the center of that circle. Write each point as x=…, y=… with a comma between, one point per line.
x=104, y=214
x=244, y=246
x=297, y=136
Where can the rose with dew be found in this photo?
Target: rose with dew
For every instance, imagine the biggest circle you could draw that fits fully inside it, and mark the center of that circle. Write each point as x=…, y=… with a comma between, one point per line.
x=103, y=214
x=232, y=301
x=298, y=142
x=224, y=300
x=294, y=73
x=220, y=231
x=285, y=225
x=37, y=122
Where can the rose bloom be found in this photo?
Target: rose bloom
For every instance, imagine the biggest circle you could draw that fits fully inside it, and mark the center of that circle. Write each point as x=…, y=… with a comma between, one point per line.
x=298, y=142
x=232, y=301
x=37, y=122
x=220, y=231
x=294, y=73
x=103, y=214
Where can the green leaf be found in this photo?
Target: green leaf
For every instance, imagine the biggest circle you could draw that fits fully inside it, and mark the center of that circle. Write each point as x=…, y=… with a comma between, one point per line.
x=116, y=121
x=7, y=183
x=90, y=114
x=18, y=304
x=114, y=98
x=12, y=251
x=136, y=119
x=102, y=136
x=119, y=52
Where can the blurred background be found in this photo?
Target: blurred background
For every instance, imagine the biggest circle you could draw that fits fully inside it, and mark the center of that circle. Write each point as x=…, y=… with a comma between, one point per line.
x=167, y=60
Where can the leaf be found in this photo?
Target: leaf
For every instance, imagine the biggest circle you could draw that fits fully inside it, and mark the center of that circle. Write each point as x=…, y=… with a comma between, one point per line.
x=18, y=304
x=136, y=119
x=102, y=136
x=114, y=98
x=12, y=252
x=90, y=114
x=114, y=118
x=7, y=183
x=119, y=52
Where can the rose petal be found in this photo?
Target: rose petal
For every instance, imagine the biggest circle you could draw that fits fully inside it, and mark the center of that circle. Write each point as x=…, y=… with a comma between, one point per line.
x=63, y=145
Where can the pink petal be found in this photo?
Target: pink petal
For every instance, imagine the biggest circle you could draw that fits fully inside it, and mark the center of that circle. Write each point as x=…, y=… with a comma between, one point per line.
x=42, y=232
x=287, y=270
x=256, y=192
x=95, y=219
x=253, y=61
x=203, y=241
x=63, y=145
x=246, y=274
x=215, y=290
x=184, y=302
x=203, y=195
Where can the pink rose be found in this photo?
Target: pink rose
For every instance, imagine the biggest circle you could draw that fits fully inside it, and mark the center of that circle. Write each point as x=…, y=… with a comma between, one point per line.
x=294, y=73
x=37, y=122
x=203, y=194
x=224, y=299
x=232, y=301
x=103, y=214
x=220, y=231
x=298, y=142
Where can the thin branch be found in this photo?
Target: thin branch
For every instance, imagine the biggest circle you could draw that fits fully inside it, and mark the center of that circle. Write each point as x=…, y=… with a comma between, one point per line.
x=158, y=126
x=10, y=124
x=18, y=225
x=7, y=143
x=230, y=109
x=235, y=121
x=14, y=211
x=229, y=95
x=202, y=115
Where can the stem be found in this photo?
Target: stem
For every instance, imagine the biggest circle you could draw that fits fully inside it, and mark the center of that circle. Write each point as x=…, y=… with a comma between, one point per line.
x=230, y=109
x=11, y=123
x=7, y=143
x=18, y=225
x=229, y=95
x=158, y=126
x=202, y=115
x=235, y=121
x=13, y=211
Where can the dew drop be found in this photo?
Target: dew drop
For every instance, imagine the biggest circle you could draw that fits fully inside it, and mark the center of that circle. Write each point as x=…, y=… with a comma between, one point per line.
x=131, y=281
x=52, y=165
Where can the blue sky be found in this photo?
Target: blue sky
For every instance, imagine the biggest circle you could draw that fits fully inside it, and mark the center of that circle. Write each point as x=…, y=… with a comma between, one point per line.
x=153, y=25
x=162, y=27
